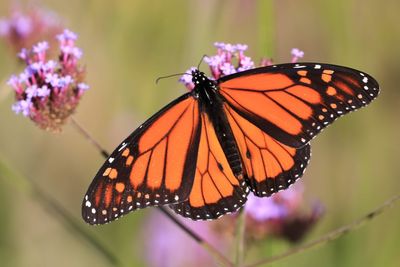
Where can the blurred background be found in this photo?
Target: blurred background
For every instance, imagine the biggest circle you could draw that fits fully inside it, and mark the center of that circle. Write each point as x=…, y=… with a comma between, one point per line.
x=127, y=45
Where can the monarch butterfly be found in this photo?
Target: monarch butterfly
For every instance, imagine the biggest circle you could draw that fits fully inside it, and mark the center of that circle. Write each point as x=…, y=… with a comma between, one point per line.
x=205, y=151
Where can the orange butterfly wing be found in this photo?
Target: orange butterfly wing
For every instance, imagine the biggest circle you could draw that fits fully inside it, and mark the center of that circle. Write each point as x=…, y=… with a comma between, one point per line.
x=155, y=165
x=294, y=102
x=216, y=190
x=270, y=165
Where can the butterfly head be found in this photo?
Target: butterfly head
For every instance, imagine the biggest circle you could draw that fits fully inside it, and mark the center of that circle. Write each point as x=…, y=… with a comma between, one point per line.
x=199, y=78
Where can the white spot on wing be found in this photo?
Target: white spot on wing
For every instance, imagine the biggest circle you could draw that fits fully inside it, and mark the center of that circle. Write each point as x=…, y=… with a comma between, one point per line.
x=297, y=66
x=122, y=146
x=110, y=160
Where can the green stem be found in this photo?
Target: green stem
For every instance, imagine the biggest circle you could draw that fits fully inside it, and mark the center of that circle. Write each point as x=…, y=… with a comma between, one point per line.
x=240, y=238
x=266, y=27
x=28, y=186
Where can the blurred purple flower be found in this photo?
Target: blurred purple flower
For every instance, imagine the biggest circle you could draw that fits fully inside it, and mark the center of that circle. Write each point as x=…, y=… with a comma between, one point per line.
x=278, y=206
x=168, y=246
x=23, y=29
x=281, y=215
x=48, y=91
x=296, y=54
x=230, y=58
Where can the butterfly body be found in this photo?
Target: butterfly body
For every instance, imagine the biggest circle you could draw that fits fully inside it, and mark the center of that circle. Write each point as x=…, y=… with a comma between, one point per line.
x=211, y=103
x=203, y=153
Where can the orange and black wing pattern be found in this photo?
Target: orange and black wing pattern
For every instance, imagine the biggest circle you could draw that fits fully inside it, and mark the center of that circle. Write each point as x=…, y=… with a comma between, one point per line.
x=216, y=189
x=154, y=166
x=270, y=165
x=294, y=102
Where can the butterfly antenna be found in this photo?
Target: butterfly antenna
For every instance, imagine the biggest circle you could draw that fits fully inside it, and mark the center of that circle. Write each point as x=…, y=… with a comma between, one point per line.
x=201, y=60
x=172, y=75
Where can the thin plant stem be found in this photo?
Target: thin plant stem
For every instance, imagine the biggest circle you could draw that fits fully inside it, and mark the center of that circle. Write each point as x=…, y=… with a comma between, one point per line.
x=52, y=206
x=331, y=235
x=88, y=137
x=240, y=238
x=218, y=256
x=266, y=27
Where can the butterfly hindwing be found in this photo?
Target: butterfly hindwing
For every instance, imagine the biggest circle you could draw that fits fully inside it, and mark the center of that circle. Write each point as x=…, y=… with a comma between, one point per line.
x=216, y=190
x=270, y=165
x=155, y=165
x=294, y=102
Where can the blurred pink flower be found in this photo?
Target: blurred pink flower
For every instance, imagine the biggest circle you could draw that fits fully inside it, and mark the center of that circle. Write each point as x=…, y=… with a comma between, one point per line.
x=168, y=246
x=281, y=215
x=48, y=91
x=24, y=28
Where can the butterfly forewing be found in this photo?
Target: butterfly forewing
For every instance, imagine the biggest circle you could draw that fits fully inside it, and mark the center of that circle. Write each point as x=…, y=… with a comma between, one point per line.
x=155, y=165
x=294, y=102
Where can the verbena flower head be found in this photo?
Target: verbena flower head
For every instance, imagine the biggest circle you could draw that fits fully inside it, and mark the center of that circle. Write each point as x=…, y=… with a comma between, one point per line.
x=229, y=59
x=166, y=245
x=281, y=215
x=23, y=29
x=48, y=91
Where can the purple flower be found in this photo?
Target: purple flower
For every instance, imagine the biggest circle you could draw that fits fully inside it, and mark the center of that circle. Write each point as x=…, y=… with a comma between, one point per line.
x=67, y=36
x=43, y=91
x=186, y=79
x=22, y=106
x=296, y=54
x=241, y=47
x=23, y=29
x=40, y=47
x=229, y=59
x=168, y=246
x=262, y=209
x=48, y=91
x=281, y=215
x=227, y=68
x=245, y=64
x=83, y=86
x=278, y=206
x=23, y=24
x=4, y=27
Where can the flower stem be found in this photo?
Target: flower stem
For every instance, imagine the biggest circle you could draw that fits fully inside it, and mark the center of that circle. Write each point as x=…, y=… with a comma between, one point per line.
x=86, y=134
x=208, y=247
x=240, y=238
x=52, y=206
x=266, y=27
x=331, y=235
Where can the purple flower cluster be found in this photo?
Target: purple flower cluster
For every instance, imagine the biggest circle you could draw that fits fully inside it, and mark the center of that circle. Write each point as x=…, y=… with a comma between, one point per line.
x=48, y=91
x=23, y=29
x=231, y=58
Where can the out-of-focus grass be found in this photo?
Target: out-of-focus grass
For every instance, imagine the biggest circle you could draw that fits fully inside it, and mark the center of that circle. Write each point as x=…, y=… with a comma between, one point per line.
x=127, y=44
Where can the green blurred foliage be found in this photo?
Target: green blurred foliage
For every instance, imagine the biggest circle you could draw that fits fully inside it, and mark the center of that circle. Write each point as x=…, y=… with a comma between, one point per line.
x=128, y=44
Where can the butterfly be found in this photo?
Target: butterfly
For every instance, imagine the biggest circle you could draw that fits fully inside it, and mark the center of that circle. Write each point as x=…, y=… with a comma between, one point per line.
x=204, y=152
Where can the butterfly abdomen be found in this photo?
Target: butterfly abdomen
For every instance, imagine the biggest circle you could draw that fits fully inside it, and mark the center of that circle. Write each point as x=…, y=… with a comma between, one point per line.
x=213, y=106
